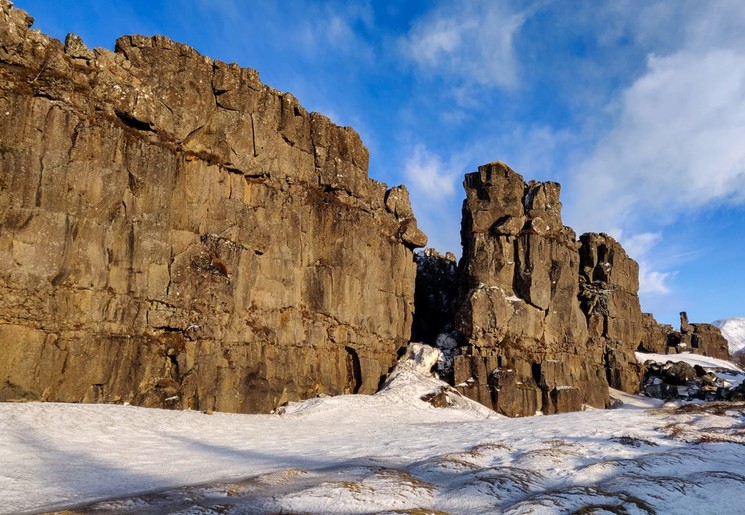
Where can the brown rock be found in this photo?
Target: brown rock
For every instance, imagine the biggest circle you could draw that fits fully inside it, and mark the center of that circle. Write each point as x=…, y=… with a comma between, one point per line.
x=527, y=338
x=609, y=281
x=175, y=233
x=655, y=335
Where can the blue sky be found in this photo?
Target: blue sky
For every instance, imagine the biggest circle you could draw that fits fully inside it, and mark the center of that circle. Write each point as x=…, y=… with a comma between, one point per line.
x=637, y=107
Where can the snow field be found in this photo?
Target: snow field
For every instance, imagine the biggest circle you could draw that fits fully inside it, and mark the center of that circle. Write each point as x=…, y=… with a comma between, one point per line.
x=386, y=453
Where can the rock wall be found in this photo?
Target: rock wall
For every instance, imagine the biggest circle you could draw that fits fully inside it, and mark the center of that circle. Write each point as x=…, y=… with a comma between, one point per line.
x=549, y=322
x=175, y=233
x=528, y=346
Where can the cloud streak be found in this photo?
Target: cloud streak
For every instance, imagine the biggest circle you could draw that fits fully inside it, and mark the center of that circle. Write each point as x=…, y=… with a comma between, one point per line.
x=677, y=142
x=469, y=44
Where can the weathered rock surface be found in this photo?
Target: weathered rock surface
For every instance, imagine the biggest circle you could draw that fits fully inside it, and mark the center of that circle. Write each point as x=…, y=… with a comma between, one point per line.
x=545, y=322
x=704, y=339
x=528, y=346
x=656, y=335
x=175, y=233
x=609, y=282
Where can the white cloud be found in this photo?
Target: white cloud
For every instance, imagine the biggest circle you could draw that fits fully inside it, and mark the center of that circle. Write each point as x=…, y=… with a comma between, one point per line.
x=676, y=144
x=337, y=30
x=673, y=147
x=434, y=185
x=641, y=247
x=430, y=177
x=470, y=43
x=653, y=282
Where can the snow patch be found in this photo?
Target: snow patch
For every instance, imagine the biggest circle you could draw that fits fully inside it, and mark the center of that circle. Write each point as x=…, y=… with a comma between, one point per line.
x=733, y=330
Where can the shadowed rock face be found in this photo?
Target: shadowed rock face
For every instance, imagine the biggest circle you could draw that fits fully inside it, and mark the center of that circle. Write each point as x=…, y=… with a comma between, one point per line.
x=175, y=233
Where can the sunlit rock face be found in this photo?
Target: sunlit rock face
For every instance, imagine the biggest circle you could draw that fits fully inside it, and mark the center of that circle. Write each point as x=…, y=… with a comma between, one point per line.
x=175, y=233
x=548, y=320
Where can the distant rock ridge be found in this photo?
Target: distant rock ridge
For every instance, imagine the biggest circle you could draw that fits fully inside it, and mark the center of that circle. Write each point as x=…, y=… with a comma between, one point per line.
x=175, y=233
x=733, y=330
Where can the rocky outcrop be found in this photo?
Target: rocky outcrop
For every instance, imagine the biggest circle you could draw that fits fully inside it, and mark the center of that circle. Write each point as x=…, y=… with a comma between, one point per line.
x=548, y=322
x=175, y=233
x=528, y=347
x=656, y=335
x=704, y=339
x=679, y=380
x=609, y=282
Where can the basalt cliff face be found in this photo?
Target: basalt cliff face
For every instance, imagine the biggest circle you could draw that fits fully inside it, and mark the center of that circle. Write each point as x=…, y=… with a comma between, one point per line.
x=175, y=233
x=547, y=322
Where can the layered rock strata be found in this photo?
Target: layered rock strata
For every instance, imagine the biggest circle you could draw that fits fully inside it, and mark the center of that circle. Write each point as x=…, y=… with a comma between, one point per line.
x=175, y=233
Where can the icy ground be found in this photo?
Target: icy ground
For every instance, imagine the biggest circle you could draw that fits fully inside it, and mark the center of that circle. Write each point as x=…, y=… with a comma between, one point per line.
x=387, y=453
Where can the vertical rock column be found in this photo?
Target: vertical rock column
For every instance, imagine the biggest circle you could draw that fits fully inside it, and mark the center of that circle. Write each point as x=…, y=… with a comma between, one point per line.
x=527, y=340
x=609, y=282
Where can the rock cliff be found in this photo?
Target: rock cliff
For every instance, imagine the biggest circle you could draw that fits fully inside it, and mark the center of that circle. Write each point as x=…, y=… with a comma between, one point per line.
x=528, y=348
x=175, y=233
x=549, y=321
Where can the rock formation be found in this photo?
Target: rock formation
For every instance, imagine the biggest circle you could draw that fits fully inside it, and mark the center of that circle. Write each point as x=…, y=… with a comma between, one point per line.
x=175, y=233
x=528, y=347
x=704, y=339
x=548, y=322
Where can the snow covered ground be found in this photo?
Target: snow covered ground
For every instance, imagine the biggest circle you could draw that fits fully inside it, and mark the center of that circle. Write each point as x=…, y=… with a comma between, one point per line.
x=387, y=453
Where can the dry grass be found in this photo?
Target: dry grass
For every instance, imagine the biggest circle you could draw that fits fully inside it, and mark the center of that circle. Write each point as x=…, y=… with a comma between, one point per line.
x=709, y=408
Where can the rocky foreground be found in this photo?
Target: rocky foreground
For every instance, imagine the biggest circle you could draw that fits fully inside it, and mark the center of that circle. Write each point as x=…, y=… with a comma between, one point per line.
x=177, y=234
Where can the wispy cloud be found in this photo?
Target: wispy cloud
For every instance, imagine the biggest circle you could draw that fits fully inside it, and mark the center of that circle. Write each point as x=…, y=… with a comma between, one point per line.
x=434, y=186
x=675, y=143
x=429, y=176
x=639, y=247
x=470, y=44
x=653, y=282
x=338, y=30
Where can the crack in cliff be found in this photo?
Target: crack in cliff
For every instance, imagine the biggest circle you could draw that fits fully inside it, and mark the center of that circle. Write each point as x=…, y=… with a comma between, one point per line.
x=253, y=136
x=131, y=121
